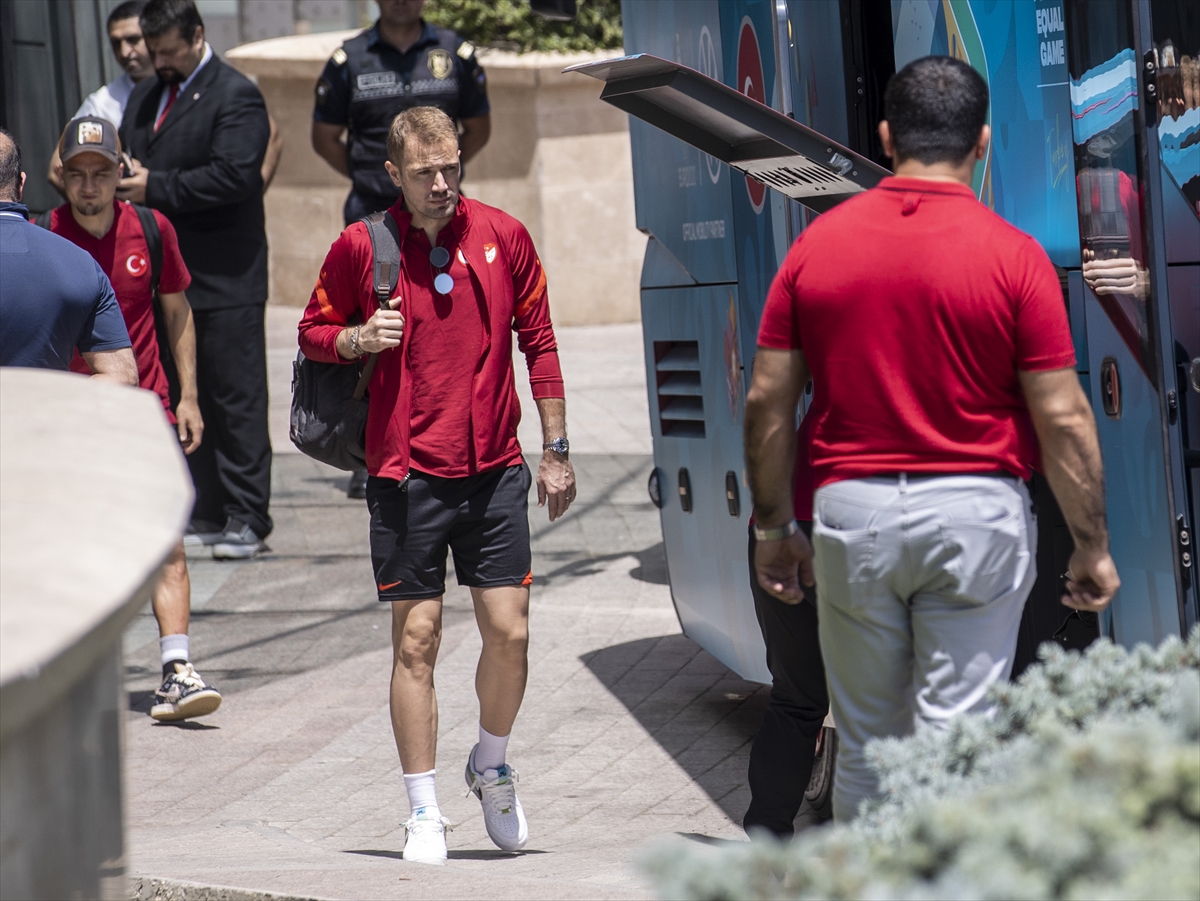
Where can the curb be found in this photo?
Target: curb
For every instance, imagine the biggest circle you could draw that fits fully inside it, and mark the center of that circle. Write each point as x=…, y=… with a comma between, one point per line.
x=148, y=888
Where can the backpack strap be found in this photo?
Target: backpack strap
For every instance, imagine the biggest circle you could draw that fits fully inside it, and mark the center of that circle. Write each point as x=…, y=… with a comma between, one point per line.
x=154, y=244
x=385, y=275
x=385, y=251
x=42, y=220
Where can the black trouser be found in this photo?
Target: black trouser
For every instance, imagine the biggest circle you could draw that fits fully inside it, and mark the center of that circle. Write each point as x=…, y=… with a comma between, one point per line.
x=781, y=757
x=232, y=466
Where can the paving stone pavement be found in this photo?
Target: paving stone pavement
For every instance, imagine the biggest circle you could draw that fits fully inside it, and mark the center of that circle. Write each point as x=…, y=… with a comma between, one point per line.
x=628, y=732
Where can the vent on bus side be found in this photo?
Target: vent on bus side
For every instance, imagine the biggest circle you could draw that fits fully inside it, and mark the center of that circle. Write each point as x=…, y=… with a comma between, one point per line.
x=680, y=397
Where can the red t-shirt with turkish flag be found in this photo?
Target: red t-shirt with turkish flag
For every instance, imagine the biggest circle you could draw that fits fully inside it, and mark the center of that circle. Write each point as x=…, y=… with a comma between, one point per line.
x=915, y=306
x=125, y=259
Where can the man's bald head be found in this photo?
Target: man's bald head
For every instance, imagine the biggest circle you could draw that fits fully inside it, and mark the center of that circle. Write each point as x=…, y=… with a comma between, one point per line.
x=12, y=179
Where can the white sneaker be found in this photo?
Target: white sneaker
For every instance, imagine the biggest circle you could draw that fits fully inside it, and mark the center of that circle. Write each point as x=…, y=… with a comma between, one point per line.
x=502, y=813
x=425, y=837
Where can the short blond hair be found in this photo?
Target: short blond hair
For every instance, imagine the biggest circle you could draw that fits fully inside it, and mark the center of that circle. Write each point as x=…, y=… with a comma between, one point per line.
x=421, y=125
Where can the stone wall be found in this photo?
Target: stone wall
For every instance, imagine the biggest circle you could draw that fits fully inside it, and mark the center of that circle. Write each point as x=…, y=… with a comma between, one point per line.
x=60, y=779
x=94, y=493
x=558, y=159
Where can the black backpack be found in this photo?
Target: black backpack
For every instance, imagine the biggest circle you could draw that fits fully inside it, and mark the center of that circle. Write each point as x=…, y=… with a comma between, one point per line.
x=329, y=400
x=153, y=236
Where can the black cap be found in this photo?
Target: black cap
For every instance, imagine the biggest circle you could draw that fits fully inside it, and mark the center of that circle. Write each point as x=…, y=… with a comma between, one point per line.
x=90, y=134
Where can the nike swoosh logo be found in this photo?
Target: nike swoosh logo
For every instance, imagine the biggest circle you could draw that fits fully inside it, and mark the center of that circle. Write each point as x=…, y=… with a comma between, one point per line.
x=383, y=587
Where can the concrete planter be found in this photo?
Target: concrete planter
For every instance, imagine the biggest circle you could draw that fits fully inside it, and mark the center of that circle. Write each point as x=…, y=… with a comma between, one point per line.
x=94, y=493
x=558, y=160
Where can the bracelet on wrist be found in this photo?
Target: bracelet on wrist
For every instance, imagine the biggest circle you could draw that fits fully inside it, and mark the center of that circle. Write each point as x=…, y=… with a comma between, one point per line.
x=787, y=530
x=355, y=346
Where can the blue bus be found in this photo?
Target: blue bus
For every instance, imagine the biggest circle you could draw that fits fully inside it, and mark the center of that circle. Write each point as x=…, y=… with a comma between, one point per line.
x=751, y=117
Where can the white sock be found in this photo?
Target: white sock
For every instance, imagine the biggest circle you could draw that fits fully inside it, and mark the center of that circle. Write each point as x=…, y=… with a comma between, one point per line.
x=422, y=793
x=490, y=753
x=173, y=647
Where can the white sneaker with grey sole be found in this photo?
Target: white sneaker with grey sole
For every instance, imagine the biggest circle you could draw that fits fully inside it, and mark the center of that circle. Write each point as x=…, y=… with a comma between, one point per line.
x=502, y=812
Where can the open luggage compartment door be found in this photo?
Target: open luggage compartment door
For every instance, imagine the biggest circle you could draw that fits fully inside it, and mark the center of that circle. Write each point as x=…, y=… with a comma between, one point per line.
x=752, y=138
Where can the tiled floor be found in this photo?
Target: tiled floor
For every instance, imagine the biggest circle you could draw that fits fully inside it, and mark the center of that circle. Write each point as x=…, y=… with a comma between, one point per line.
x=629, y=731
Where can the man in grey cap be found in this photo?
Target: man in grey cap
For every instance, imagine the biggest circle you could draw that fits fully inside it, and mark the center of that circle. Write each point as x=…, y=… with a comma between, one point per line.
x=120, y=236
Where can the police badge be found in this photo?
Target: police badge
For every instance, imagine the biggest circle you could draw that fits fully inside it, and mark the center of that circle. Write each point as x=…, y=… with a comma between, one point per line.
x=440, y=63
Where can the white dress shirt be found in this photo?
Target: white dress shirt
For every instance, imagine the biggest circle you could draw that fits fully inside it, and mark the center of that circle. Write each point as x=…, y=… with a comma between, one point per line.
x=109, y=102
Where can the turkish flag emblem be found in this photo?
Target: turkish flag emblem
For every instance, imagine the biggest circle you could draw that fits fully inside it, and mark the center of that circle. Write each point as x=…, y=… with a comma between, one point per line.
x=489, y=252
x=136, y=264
x=750, y=82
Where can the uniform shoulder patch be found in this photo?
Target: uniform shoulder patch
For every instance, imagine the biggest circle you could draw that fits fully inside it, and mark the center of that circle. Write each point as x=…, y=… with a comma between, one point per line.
x=466, y=50
x=339, y=56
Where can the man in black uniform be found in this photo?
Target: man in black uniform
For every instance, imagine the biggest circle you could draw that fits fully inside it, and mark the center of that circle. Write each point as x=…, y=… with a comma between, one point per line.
x=399, y=63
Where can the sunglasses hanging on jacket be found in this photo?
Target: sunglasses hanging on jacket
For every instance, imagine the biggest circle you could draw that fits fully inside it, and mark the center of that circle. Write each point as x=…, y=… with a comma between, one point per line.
x=439, y=258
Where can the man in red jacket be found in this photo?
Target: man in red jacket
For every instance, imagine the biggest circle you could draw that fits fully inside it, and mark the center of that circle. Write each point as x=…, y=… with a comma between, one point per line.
x=446, y=471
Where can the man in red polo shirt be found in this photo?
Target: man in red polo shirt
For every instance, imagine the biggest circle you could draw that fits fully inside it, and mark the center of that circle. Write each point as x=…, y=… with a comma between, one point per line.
x=111, y=232
x=446, y=471
x=941, y=358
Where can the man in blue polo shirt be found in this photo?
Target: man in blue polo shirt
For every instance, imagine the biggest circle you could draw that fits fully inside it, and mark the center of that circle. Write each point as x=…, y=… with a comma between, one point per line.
x=54, y=297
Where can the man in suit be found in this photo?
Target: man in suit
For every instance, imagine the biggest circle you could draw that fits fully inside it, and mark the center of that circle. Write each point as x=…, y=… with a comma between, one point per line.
x=125, y=38
x=198, y=133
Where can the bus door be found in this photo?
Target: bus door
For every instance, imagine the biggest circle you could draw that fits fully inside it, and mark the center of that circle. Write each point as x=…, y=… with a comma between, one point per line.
x=696, y=333
x=1112, y=73
x=1175, y=29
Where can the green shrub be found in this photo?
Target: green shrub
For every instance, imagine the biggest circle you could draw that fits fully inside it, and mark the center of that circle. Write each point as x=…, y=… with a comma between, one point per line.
x=510, y=24
x=1086, y=784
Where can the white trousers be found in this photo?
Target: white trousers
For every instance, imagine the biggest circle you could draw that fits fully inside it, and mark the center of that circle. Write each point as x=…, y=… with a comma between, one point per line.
x=922, y=581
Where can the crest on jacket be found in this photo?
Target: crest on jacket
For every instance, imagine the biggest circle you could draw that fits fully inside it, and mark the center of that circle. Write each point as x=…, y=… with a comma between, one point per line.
x=440, y=63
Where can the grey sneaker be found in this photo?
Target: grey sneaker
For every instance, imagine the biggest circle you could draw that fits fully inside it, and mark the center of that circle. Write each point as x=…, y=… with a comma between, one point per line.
x=200, y=534
x=237, y=542
x=184, y=695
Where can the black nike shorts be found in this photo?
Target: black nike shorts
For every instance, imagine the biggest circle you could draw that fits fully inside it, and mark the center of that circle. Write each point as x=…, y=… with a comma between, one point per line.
x=483, y=519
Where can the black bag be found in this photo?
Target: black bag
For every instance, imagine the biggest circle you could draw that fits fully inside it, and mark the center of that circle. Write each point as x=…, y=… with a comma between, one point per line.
x=329, y=401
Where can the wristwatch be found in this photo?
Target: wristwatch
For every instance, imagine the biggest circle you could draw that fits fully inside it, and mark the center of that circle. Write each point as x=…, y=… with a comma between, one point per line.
x=785, y=531
x=560, y=446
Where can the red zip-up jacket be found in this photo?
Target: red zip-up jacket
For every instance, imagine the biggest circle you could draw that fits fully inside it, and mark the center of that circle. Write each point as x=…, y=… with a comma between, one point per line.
x=507, y=275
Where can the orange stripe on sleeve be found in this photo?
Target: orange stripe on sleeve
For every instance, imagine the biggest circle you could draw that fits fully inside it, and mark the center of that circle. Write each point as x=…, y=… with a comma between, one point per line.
x=323, y=299
x=533, y=297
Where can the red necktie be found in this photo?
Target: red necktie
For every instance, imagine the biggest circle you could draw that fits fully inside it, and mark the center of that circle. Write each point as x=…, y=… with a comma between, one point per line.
x=171, y=95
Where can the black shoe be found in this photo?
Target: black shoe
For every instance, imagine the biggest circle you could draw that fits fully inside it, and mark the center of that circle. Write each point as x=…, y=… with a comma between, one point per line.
x=357, y=488
x=237, y=542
